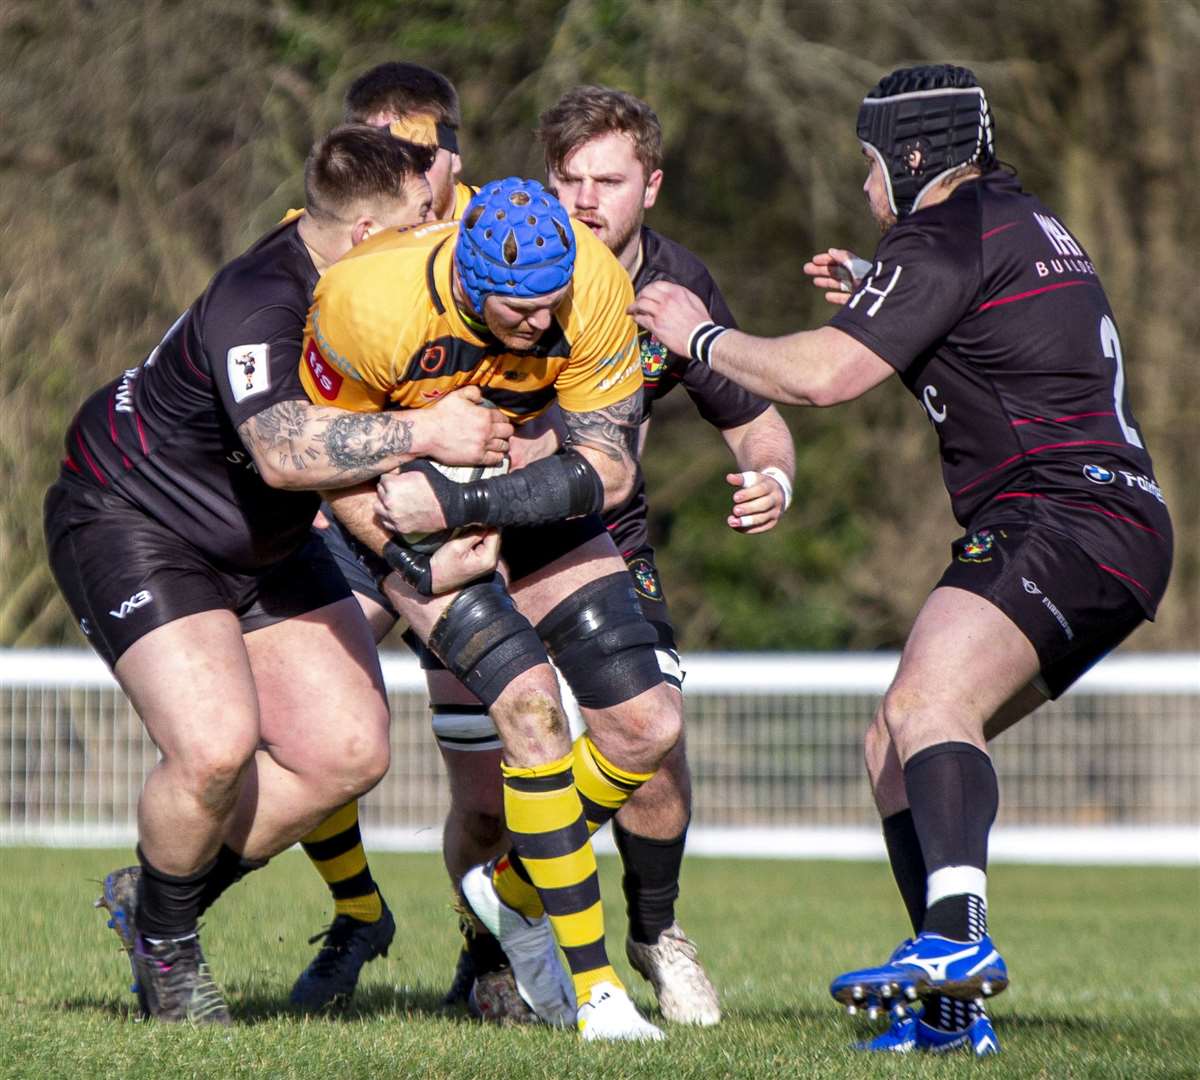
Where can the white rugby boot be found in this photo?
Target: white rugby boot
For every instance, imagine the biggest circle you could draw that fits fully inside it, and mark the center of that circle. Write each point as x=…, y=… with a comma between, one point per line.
x=685, y=993
x=608, y=1015
x=529, y=945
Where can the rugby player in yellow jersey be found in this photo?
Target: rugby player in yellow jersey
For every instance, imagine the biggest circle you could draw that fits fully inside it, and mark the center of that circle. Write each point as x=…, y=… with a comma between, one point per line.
x=529, y=306
x=421, y=106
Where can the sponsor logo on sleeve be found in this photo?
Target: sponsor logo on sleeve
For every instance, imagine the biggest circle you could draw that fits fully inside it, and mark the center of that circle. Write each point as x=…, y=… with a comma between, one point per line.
x=249, y=370
x=328, y=381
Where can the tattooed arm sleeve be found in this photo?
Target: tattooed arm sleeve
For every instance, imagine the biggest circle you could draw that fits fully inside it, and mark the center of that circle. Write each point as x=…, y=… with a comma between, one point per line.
x=301, y=446
x=608, y=439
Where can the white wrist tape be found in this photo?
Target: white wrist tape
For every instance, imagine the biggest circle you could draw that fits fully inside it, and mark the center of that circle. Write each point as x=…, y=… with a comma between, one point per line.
x=780, y=477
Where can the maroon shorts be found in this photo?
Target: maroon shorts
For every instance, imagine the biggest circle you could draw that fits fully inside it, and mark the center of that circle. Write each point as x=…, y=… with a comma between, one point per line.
x=1072, y=612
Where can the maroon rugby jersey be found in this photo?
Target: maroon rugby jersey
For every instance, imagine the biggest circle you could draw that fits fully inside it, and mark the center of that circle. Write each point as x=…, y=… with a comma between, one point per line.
x=995, y=319
x=722, y=403
x=164, y=435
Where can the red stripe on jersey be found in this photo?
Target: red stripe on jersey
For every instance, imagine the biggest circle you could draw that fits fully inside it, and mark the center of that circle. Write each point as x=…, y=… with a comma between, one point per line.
x=88, y=458
x=1081, y=506
x=1032, y=292
x=141, y=434
x=112, y=427
x=69, y=462
x=998, y=229
x=1061, y=419
x=1124, y=577
x=1036, y=450
x=188, y=359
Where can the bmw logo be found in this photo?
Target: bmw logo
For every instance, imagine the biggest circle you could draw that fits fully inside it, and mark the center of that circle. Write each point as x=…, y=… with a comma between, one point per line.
x=1098, y=474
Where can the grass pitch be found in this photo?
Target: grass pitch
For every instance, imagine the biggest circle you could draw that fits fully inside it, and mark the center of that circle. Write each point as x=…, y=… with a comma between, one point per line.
x=1104, y=965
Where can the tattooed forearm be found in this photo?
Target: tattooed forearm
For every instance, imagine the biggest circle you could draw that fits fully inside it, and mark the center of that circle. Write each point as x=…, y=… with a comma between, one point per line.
x=356, y=441
x=612, y=430
x=299, y=445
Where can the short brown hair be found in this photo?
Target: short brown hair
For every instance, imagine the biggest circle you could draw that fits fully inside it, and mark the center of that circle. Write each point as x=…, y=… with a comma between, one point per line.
x=401, y=89
x=355, y=162
x=586, y=112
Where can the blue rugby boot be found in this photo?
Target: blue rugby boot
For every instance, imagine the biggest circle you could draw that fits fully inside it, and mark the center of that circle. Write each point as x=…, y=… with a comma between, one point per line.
x=979, y=1038
x=900, y=1038
x=929, y=963
x=119, y=899
x=910, y=1033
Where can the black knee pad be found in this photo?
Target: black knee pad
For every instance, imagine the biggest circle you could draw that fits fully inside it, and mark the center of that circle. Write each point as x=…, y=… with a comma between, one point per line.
x=484, y=641
x=602, y=643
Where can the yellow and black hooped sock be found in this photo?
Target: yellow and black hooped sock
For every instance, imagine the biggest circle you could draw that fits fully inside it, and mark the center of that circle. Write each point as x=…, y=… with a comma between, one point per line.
x=336, y=850
x=514, y=887
x=603, y=787
x=546, y=821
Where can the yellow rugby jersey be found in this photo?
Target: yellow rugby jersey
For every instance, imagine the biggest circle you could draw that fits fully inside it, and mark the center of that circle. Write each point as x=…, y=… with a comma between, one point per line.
x=463, y=194
x=384, y=333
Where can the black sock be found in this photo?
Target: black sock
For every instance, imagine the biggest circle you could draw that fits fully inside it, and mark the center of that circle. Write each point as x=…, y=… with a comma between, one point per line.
x=168, y=906
x=953, y=795
x=908, y=864
x=651, y=881
x=228, y=870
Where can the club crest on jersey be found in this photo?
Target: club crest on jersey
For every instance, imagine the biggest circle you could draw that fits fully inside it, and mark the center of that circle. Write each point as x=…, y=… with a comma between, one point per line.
x=645, y=579
x=1098, y=474
x=249, y=369
x=977, y=547
x=654, y=358
x=328, y=381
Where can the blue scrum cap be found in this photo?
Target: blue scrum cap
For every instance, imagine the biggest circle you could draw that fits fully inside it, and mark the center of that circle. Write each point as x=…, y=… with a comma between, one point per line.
x=515, y=240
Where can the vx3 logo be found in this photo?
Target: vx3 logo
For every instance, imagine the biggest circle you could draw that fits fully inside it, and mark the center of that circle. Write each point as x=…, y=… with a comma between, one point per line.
x=128, y=607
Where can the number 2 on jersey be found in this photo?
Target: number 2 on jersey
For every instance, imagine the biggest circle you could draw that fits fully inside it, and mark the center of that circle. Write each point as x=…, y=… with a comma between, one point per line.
x=1110, y=342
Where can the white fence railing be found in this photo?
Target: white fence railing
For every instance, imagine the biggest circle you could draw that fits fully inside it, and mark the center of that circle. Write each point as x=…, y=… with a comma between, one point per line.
x=1109, y=773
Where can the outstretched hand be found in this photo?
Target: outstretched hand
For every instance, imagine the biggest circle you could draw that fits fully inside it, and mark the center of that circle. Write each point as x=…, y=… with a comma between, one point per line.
x=838, y=271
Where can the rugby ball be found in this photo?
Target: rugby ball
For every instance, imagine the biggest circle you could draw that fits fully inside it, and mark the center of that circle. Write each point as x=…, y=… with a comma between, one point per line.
x=428, y=542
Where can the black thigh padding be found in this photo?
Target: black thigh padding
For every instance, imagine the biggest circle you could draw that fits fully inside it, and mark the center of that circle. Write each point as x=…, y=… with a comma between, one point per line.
x=484, y=641
x=601, y=642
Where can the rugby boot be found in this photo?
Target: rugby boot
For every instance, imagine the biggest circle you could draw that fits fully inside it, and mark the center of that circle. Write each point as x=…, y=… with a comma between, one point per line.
x=685, y=994
x=529, y=945
x=175, y=984
x=910, y=1033
x=608, y=1015
x=495, y=999
x=328, y=983
x=967, y=970
x=464, y=978
x=119, y=899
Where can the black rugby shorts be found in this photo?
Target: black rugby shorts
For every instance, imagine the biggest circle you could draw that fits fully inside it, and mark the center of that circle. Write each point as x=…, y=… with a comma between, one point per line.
x=1072, y=612
x=123, y=574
